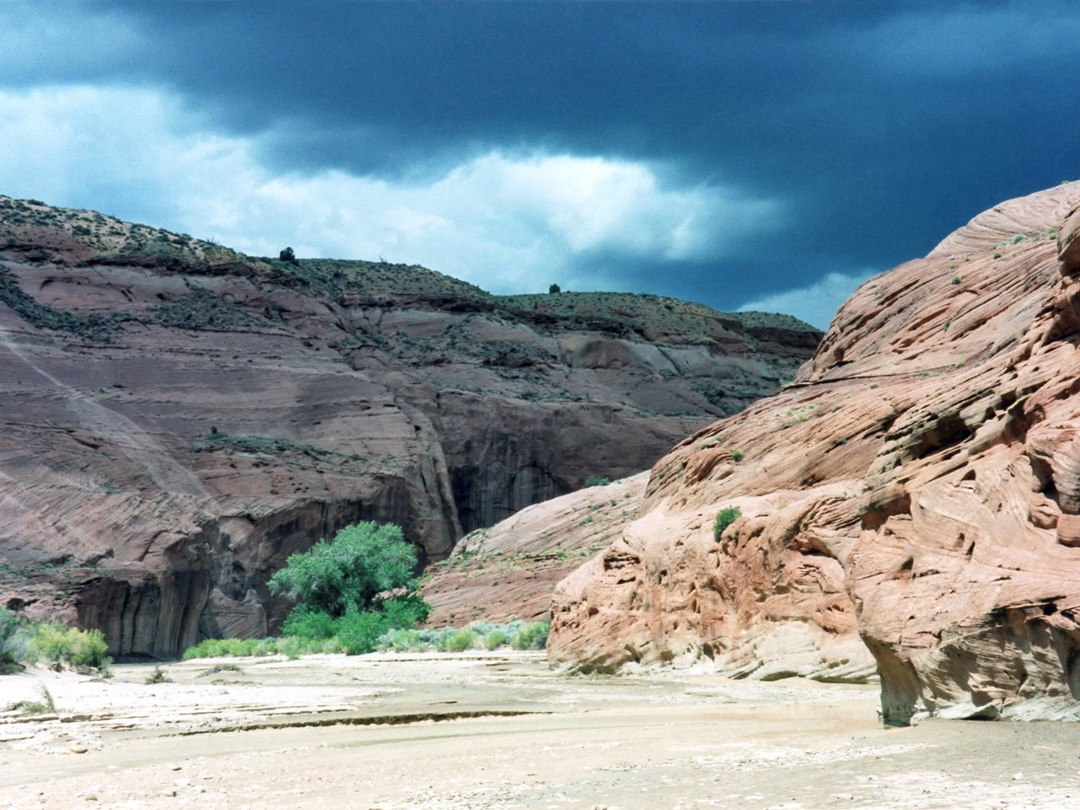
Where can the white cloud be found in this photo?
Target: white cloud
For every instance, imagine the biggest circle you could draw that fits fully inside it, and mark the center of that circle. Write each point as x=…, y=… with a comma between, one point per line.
x=816, y=303
x=507, y=222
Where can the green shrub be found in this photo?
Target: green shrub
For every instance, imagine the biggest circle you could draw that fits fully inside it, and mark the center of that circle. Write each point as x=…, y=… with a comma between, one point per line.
x=401, y=641
x=293, y=647
x=494, y=639
x=459, y=641
x=57, y=645
x=724, y=518
x=307, y=622
x=200, y=650
x=737, y=456
x=359, y=632
x=597, y=481
x=405, y=612
x=9, y=656
x=531, y=637
x=231, y=648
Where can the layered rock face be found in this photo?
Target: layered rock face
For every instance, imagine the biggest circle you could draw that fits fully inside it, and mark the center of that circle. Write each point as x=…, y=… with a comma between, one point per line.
x=918, y=488
x=179, y=418
x=510, y=569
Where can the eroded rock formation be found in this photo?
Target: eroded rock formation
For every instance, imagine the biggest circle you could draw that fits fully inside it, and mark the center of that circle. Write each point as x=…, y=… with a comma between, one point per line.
x=179, y=418
x=511, y=568
x=917, y=489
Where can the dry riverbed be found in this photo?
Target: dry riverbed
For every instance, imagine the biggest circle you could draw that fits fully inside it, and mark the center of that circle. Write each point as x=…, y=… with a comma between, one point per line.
x=500, y=730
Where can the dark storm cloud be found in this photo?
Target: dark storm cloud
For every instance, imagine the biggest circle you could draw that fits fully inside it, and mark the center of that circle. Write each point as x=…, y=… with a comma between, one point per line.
x=881, y=126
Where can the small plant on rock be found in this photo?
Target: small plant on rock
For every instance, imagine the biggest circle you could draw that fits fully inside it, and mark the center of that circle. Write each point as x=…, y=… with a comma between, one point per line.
x=724, y=518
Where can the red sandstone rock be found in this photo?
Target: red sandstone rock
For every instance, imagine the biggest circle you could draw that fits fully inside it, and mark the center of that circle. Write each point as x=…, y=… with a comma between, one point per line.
x=918, y=488
x=179, y=418
x=511, y=568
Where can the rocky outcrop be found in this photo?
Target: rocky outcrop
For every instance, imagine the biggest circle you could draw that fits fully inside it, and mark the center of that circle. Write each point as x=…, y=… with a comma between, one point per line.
x=510, y=569
x=179, y=418
x=909, y=505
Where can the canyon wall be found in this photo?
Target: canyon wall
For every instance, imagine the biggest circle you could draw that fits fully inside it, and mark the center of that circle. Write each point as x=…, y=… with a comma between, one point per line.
x=910, y=506
x=179, y=418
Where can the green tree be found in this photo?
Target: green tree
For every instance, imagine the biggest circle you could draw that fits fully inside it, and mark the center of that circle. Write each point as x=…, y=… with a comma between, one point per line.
x=554, y=288
x=363, y=561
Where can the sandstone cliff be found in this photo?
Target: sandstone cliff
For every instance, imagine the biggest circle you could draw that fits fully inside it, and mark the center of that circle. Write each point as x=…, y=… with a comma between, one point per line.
x=179, y=418
x=510, y=569
x=911, y=504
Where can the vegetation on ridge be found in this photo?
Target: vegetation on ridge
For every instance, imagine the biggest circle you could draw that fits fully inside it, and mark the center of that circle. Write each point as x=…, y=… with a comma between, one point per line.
x=104, y=240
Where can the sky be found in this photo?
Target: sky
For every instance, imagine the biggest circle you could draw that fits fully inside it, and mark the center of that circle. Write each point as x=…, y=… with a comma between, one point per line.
x=745, y=155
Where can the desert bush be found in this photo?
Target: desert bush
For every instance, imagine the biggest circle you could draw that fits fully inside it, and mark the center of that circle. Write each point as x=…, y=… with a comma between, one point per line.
x=231, y=648
x=724, y=518
x=401, y=641
x=434, y=639
x=307, y=622
x=57, y=645
x=494, y=639
x=597, y=481
x=359, y=631
x=531, y=637
x=157, y=676
x=459, y=641
x=9, y=627
x=292, y=647
x=405, y=612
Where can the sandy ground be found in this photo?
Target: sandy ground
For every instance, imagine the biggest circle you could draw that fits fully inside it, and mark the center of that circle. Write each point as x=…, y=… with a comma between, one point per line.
x=501, y=731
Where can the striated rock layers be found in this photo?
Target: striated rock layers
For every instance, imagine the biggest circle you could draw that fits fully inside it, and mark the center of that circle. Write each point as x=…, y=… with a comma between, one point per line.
x=511, y=568
x=918, y=488
x=179, y=418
